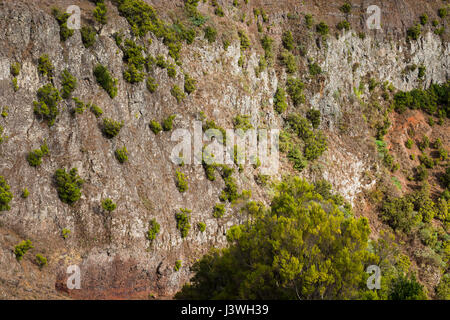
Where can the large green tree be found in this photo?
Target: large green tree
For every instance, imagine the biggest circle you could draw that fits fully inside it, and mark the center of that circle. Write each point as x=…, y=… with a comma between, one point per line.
x=302, y=247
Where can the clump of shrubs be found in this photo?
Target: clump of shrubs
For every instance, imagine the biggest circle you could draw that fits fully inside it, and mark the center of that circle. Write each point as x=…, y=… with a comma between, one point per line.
x=68, y=185
x=64, y=32
x=45, y=66
x=183, y=221
x=41, y=261
x=155, y=126
x=279, y=100
x=21, y=249
x=153, y=230
x=105, y=80
x=219, y=210
x=108, y=205
x=167, y=123
x=5, y=195
x=121, y=154
x=96, y=110
x=111, y=128
x=295, y=90
x=47, y=104
x=181, y=182
x=177, y=93
x=210, y=34
x=34, y=158
x=151, y=84
x=69, y=83
x=87, y=36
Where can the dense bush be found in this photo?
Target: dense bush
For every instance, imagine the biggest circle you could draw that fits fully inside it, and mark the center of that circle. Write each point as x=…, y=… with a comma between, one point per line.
x=45, y=66
x=288, y=40
x=414, y=32
x=343, y=25
x=219, y=210
x=68, y=185
x=34, y=158
x=47, y=104
x=155, y=127
x=105, y=80
x=21, y=249
x=210, y=34
x=181, y=182
x=189, y=84
x=153, y=230
x=96, y=110
x=201, y=226
x=423, y=19
x=309, y=21
x=314, y=69
x=151, y=84
x=79, y=106
x=267, y=44
x=287, y=268
x=25, y=193
x=313, y=115
x=87, y=36
x=315, y=146
x=111, y=128
x=69, y=83
x=346, y=7
x=245, y=41
x=230, y=192
x=15, y=69
x=121, y=154
x=279, y=100
x=108, y=205
x=64, y=32
x=242, y=122
x=407, y=289
x=442, y=12
x=100, y=12
x=289, y=61
x=167, y=124
x=322, y=28
x=296, y=156
x=177, y=93
x=41, y=261
x=295, y=90
x=5, y=195
x=399, y=214
x=183, y=221
x=171, y=71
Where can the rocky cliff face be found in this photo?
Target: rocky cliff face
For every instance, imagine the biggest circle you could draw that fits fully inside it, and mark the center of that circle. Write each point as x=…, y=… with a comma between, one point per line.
x=114, y=255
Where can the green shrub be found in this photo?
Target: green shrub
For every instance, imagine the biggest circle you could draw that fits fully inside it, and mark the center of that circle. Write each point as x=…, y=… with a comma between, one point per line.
x=161, y=61
x=219, y=11
x=15, y=69
x=177, y=266
x=88, y=36
x=2, y=137
x=171, y=71
x=41, y=260
x=245, y=41
x=5, y=195
x=183, y=221
x=189, y=84
x=346, y=7
x=69, y=83
x=133, y=75
x=4, y=113
x=414, y=32
x=108, y=205
x=155, y=127
x=421, y=73
x=229, y=193
x=79, y=106
x=210, y=34
x=68, y=185
x=314, y=69
x=181, y=182
x=177, y=93
x=151, y=84
x=47, y=104
x=315, y=146
x=427, y=161
x=279, y=100
x=201, y=226
x=45, y=66
x=423, y=19
x=96, y=110
x=242, y=122
x=295, y=90
x=267, y=44
x=15, y=85
x=25, y=193
x=219, y=210
x=64, y=32
x=288, y=59
x=105, y=80
x=288, y=40
x=343, y=25
x=322, y=28
x=309, y=21
x=167, y=123
x=122, y=154
x=153, y=230
x=65, y=233
x=409, y=143
x=313, y=116
x=100, y=12
x=399, y=214
x=424, y=144
x=21, y=249
x=442, y=12
x=403, y=288
x=111, y=128
x=34, y=158
x=296, y=156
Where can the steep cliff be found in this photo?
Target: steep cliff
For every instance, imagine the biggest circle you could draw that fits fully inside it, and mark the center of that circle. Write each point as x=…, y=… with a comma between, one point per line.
x=112, y=249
